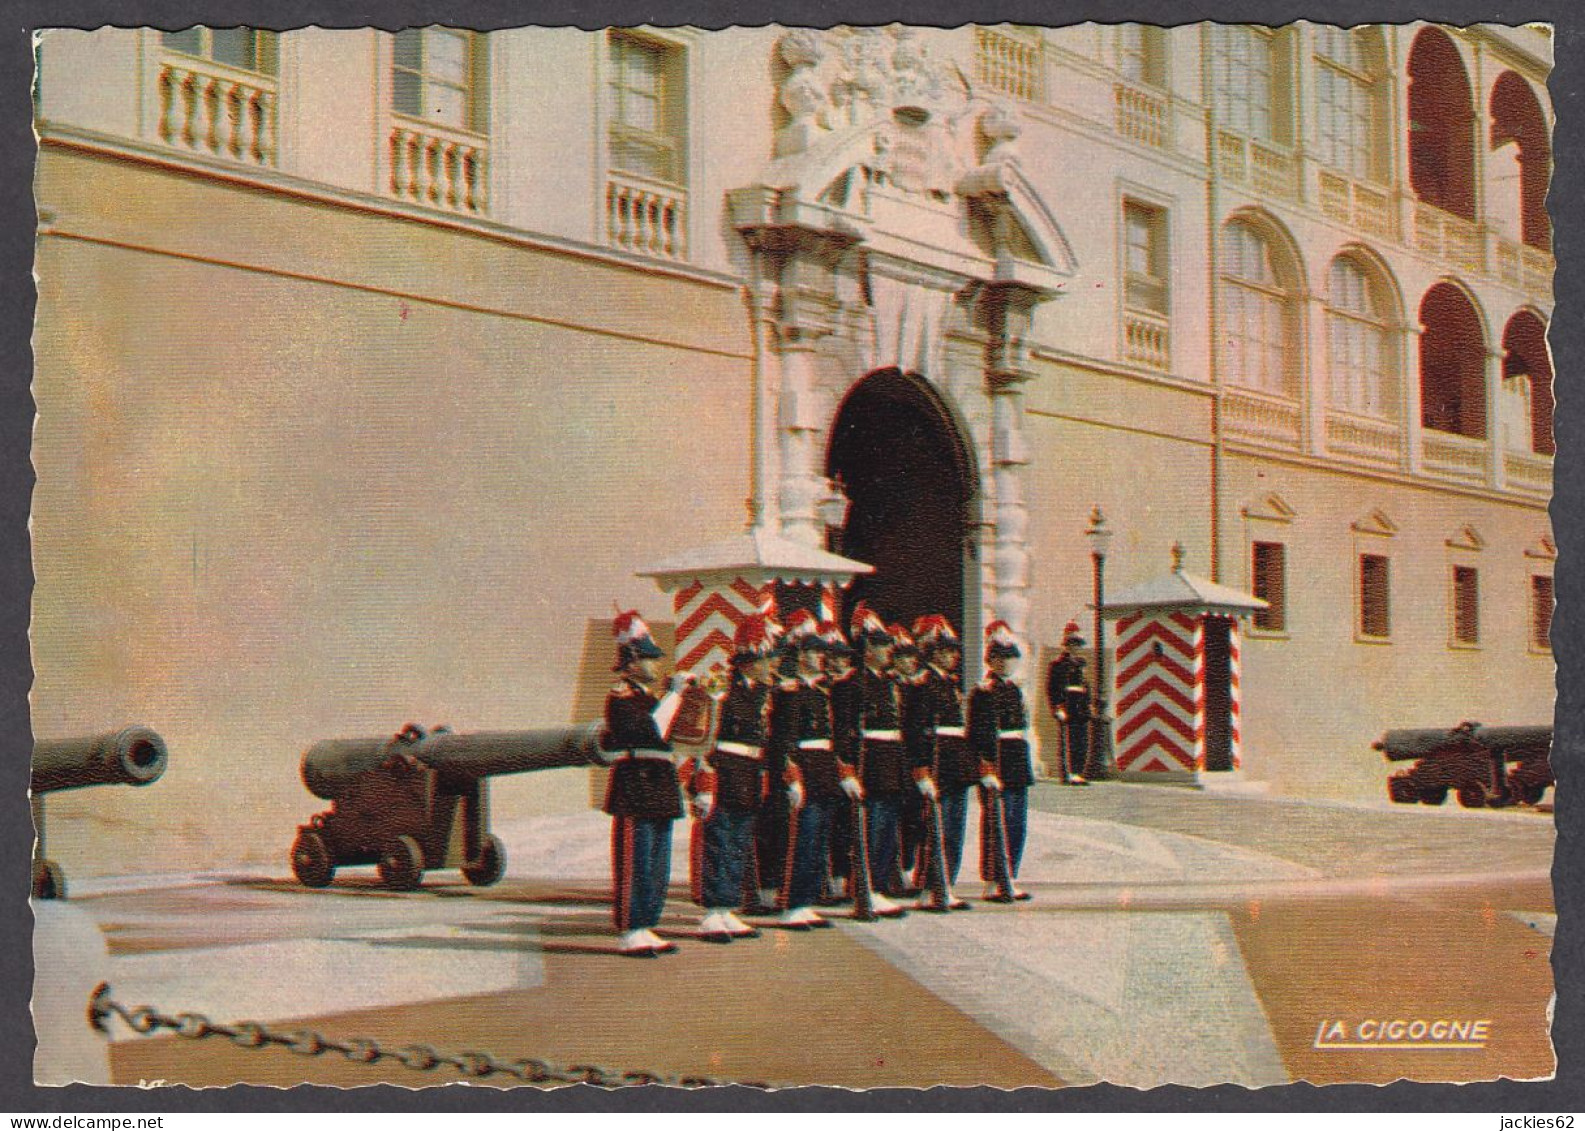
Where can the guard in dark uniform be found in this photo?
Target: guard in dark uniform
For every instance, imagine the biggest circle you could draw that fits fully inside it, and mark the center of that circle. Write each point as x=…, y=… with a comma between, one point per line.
x=801, y=733
x=883, y=760
x=728, y=793
x=846, y=694
x=956, y=768
x=999, y=735
x=919, y=742
x=644, y=795
x=1068, y=697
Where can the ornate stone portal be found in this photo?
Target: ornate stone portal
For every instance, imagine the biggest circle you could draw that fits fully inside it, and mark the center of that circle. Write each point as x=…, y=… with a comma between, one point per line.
x=894, y=227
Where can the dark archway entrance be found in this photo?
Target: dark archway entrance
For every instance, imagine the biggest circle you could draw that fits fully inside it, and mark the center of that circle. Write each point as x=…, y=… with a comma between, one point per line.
x=914, y=486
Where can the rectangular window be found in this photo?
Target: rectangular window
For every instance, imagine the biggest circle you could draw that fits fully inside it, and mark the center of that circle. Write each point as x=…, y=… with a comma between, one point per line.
x=439, y=74
x=1269, y=571
x=1141, y=56
x=1250, y=79
x=1145, y=257
x=1541, y=612
x=645, y=108
x=1466, y=605
x=1375, y=596
x=247, y=49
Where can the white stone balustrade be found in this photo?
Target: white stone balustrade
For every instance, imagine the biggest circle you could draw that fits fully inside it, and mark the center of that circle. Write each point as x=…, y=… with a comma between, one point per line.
x=646, y=217
x=1249, y=415
x=1447, y=455
x=1358, y=205
x=1147, y=340
x=1009, y=63
x=438, y=167
x=1364, y=438
x=1529, y=473
x=1141, y=116
x=217, y=111
x=1449, y=237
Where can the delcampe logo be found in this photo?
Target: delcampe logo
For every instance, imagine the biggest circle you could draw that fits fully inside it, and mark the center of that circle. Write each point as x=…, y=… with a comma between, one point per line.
x=1416, y=1033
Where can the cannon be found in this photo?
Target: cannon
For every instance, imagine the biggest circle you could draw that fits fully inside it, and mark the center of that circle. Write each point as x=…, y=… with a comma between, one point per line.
x=130, y=756
x=1481, y=765
x=420, y=800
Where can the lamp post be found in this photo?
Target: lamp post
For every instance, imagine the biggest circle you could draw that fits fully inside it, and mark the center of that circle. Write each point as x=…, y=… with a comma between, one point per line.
x=1100, y=762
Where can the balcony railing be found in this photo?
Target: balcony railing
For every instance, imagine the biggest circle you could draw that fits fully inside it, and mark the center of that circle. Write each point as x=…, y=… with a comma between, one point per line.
x=1529, y=473
x=1449, y=237
x=216, y=110
x=646, y=217
x=1360, y=206
x=1009, y=63
x=1523, y=267
x=1451, y=456
x=1265, y=169
x=438, y=167
x=1147, y=340
x=1364, y=438
x=1141, y=116
x=1248, y=415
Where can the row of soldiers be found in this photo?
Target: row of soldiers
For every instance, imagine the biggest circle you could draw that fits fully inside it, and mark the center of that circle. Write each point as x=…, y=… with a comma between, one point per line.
x=833, y=762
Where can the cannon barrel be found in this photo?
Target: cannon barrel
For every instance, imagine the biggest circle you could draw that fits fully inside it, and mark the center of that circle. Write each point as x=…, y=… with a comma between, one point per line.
x=131, y=756
x=333, y=767
x=1424, y=742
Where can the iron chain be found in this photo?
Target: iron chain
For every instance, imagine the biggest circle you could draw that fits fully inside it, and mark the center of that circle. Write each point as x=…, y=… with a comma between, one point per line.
x=474, y=1065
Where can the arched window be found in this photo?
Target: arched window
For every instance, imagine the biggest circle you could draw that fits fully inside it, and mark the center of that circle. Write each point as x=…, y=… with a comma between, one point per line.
x=1359, y=348
x=1452, y=363
x=1349, y=101
x=1517, y=120
x=1524, y=352
x=1252, y=83
x=1256, y=311
x=1441, y=125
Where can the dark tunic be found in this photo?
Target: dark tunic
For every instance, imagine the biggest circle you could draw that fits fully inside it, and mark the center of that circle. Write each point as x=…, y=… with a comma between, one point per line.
x=883, y=762
x=956, y=765
x=800, y=723
x=643, y=787
x=1066, y=687
x=847, y=717
x=996, y=706
x=918, y=722
x=740, y=777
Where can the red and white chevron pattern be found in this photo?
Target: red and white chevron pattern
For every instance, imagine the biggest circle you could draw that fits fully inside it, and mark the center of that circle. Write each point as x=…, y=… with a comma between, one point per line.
x=1232, y=690
x=708, y=615
x=1158, y=688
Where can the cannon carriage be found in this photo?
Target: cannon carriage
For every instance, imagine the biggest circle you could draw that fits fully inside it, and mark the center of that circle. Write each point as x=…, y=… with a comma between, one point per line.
x=1482, y=766
x=420, y=800
x=130, y=756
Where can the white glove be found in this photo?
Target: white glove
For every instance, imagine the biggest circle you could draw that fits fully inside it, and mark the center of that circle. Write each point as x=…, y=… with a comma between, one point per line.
x=991, y=781
x=853, y=789
x=703, y=805
x=1062, y=714
x=795, y=795
x=679, y=681
x=928, y=788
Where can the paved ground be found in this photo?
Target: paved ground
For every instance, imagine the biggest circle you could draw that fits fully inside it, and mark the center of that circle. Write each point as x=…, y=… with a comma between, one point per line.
x=1176, y=936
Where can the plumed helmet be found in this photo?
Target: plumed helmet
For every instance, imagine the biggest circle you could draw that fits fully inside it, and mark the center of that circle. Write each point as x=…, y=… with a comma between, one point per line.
x=903, y=643
x=803, y=632
x=633, y=639
x=1071, y=636
x=835, y=643
x=1000, y=641
x=756, y=637
x=868, y=627
x=934, y=631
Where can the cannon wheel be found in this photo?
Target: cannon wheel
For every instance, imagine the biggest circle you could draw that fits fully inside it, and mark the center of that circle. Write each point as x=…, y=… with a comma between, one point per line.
x=1529, y=794
x=402, y=864
x=1472, y=796
x=49, y=882
x=1433, y=795
x=490, y=865
x=311, y=862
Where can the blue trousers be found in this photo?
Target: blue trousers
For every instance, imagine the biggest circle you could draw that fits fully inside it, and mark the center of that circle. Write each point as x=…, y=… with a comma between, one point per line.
x=884, y=815
x=728, y=841
x=1015, y=803
x=954, y=820
x=809, y=853
x=640, y=870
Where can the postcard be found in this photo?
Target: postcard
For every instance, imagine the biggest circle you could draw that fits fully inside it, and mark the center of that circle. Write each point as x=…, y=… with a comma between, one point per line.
x=868, y=556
